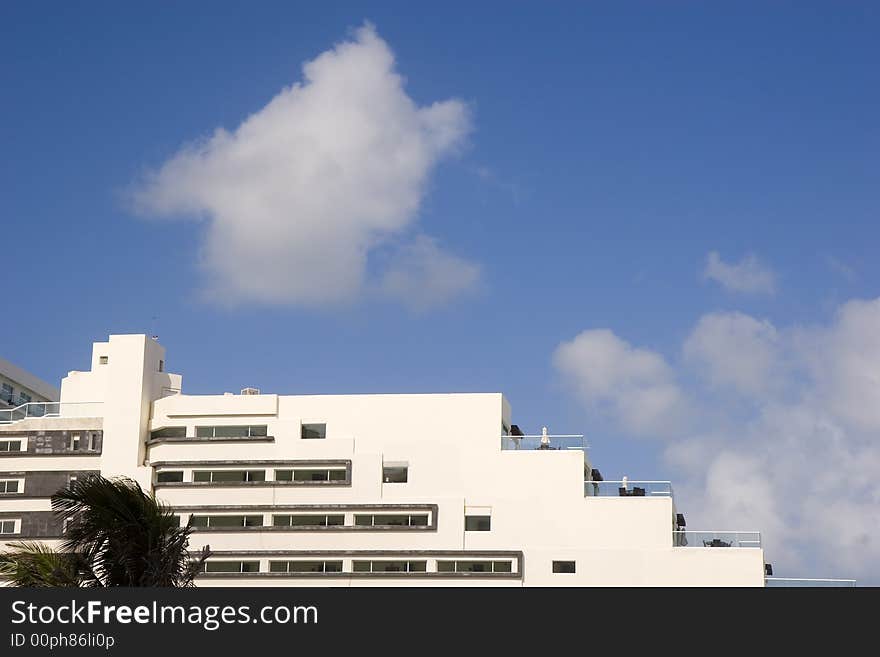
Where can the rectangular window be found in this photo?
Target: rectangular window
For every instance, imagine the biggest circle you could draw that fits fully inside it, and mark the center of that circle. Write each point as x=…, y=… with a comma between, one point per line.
x=231, y=567
x=10, y=486
x=311, y=474
x=237, y=431
x=169, y=476
x=305, y=566
x=474, y=566
x=103, y=360
x=313, y=431
x=169, y=432
x=24, y=398
x=389, y=566
x=563, y=567
x=10, y=445
x=390, y=520
x=477, y=523
x=308, y=520
x=222, y=476
x=74, y=442
x=227, y=521
x=7, y=393
x=161, y=365
x=8, y=527
x=395, y=474
x=93, y=441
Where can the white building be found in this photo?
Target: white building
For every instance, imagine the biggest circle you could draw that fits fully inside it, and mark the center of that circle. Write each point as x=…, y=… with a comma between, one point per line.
x=354, y=489
x=19, y=387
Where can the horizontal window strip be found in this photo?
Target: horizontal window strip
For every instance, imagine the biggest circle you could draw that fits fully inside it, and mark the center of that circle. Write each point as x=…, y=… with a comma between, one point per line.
x=227, y=521
x=391, y=520
x=238, y=431
x=400, y=566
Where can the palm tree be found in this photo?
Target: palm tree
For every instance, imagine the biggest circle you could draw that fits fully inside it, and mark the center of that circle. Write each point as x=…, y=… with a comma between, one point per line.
x=116, y=535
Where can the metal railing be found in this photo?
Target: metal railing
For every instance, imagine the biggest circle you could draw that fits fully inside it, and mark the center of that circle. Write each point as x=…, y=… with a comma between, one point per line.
x=544, y=442
x=50, y=409
x=713, y=539
x=628, y=489
x=778, y=582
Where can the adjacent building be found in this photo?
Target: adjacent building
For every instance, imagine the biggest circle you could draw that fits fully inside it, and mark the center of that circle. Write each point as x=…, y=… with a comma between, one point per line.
x=351, y=490
x=18, y=387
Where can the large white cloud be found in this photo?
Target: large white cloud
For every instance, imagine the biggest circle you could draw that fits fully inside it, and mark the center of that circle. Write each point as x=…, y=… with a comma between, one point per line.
x=634, y=386
x=749, y=275
x=801, y=462
x=298, y=195
x=736, y=351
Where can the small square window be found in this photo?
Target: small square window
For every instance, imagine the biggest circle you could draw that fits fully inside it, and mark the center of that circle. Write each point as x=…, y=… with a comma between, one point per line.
x=313, y=431
x=395, y=474
x=477, y=523
x=103, y=360
x=563, y=567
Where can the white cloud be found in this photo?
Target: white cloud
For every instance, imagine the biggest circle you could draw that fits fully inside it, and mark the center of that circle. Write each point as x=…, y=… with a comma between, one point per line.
x=298, y=195
x=735, y=350
x=424, y=276
x=801, y=462
x=748, y=275
x=634, y=386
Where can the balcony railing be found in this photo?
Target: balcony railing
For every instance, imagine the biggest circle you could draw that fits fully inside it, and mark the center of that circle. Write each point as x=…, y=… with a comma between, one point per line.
x=50, y=409
x=627, y=489
x=544, y=442
x=722, y=539
x=777, y=582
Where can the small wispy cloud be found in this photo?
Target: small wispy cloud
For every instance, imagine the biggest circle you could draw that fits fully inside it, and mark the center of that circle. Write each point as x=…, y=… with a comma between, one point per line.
x=840, y=267
x=749, y=275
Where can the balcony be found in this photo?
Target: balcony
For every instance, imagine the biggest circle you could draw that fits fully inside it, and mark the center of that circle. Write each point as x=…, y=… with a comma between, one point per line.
x=544, y=442
x=717, y=539
x=49, y=410
x=627, y=488
x=783, y=582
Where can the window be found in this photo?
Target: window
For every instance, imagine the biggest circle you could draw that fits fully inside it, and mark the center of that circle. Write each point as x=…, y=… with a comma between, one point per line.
x=103, y=360
x=216, y=476
x=74, y=442
x=227, y=521
x=305, y=566
x=9, y=526
x=24, y=398
x=93, y=441
x=71, y=480
x=389, y=566
x=7, y=393
x=308, y=520
x=10, y=445
x=237, y=431
x=474, y=567
x=161, y=365
x=231, y=567
x=477, y=523
x=10, y=486
x=169, y=432
x=395, y=474
x=391, y=520
x=313, y=431
x=169, y=476
x=563, y=567
x=311, y=474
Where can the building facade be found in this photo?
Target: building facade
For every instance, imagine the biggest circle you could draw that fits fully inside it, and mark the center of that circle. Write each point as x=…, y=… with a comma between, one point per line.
x=19, y=387
x=355, y=490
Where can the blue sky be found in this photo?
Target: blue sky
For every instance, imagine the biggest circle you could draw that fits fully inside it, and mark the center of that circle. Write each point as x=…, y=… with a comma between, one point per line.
x=601, y=153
